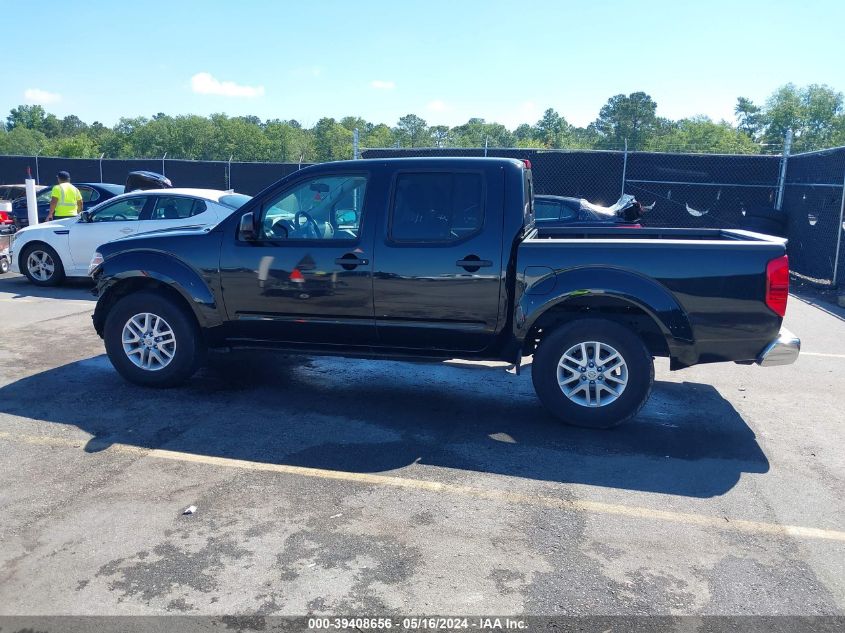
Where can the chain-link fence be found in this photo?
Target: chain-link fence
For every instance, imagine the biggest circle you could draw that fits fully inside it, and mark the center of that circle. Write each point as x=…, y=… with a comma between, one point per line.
x=688, y=190
x=702, y=190
x=813, y=200
x=248, y=178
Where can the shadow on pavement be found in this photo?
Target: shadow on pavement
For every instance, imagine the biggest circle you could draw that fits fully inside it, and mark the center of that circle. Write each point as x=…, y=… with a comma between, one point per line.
x=72, y=288
x=368, y=416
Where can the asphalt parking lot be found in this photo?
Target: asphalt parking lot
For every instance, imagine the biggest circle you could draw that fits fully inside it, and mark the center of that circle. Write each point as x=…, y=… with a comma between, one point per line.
x=334, y=486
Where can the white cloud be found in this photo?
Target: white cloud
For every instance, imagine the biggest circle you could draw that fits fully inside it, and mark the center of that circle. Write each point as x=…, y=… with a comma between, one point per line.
x=36, y=95
x=207, y=84
x=380, y=84
x=437, y=106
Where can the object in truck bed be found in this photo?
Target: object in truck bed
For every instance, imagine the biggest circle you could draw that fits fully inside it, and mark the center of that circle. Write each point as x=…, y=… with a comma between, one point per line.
x=568, y=211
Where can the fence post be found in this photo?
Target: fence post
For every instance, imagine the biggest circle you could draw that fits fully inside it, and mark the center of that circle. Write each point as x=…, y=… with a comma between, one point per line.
x=101, y=166
x=162, y=164
x=787, y=146
x=229, y=172
x=839, y=229
x=355, y=144
x=486, y=139
x=624, y=167
x=37, y=176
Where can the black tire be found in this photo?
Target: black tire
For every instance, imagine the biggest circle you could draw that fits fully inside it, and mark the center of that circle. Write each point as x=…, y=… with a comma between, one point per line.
x=58, y=275
x=4, y=265
x=189, y=351
x=640, y=370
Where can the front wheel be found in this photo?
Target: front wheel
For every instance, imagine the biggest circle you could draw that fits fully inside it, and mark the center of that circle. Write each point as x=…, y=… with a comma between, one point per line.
x=153, y=341
x=42, y=265
x=593, y=373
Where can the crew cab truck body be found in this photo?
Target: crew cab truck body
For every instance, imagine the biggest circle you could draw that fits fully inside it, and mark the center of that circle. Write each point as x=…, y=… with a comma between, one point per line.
x=436, y=259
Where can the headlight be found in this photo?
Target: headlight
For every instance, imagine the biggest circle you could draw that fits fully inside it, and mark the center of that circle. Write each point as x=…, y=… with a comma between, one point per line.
x=96, y=260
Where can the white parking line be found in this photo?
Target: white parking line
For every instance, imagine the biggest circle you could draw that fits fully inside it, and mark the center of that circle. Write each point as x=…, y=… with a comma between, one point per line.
x=492, y=494
x=821, y=354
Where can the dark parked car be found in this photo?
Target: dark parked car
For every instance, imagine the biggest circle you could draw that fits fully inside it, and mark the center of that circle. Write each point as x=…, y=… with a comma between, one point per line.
x=568, y=211
x=438, y=258
x=145, y=180
x=93, y=193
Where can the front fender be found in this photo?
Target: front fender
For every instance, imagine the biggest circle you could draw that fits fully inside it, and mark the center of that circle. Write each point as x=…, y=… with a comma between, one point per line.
x=545, y=289
x=149, y=268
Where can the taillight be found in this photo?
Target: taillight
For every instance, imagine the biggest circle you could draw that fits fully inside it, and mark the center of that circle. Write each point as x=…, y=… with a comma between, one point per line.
x=777, y=284
x=527, y=163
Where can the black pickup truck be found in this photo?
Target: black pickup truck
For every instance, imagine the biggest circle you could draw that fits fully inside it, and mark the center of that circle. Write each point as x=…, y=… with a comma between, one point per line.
x=440, y=258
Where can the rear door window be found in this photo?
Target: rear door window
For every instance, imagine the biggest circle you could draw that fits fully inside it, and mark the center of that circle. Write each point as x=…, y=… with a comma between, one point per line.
x=437, y=207
x=177, y=208
x=88, y=194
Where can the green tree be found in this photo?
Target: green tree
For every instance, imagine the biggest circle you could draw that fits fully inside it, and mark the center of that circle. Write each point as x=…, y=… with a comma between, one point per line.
x=51, y=126
x=379, y=136
x=813, y=114
x=749, y=117
x=412, y=131
x=72, y=125
x=332, y=141
x=239, y=137
x=478, y=133
x=78, y=146
x=29, y=116
x=441, y=135
x=21, y=141
x=700, y=134
x=552, y=130
x=632, y=117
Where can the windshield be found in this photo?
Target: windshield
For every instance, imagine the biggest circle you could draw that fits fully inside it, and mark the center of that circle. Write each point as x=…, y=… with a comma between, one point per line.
x=115, y=189
x=235, y=200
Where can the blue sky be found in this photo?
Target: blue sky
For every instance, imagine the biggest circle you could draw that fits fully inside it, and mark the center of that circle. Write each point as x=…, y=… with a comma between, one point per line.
x=446, y=61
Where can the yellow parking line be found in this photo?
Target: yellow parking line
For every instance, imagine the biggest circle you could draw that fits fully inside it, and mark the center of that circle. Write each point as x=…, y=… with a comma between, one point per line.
x=594, y=507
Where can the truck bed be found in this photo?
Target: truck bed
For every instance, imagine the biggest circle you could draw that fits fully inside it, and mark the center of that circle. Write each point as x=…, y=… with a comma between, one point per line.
x=712, y=279
x=545, y=232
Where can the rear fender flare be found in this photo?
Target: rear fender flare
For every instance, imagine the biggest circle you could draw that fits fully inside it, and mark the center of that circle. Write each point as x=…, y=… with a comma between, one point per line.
x=641, y=292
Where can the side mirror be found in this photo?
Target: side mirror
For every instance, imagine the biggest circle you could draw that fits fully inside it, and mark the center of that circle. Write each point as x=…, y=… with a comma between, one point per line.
x=85, y=216
x=345, y=217
x=246, y=229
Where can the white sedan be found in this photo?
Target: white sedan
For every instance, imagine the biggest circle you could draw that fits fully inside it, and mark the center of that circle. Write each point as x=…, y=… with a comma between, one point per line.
x=47, y=253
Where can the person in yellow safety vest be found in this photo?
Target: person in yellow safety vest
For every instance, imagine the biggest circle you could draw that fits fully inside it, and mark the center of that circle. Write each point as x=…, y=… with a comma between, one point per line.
x=65, y=199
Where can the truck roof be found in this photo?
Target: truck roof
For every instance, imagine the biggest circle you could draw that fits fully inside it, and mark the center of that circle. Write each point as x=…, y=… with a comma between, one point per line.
x=451, y=161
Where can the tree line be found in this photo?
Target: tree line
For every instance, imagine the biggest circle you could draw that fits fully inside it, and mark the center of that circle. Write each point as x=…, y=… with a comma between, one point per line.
x=814, y=113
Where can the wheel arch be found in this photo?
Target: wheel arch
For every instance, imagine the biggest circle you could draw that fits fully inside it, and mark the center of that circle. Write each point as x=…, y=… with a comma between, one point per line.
x=160, y=273
x=36, y=241
x=621, y=296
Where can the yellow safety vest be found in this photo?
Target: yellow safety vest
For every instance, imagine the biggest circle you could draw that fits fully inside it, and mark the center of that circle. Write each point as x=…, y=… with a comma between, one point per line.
x=67, y=195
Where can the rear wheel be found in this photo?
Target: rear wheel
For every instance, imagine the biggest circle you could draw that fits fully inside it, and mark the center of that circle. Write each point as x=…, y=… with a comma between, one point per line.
x=4, y=265
x=153, y=341
x=42, y=265
x=593, y=373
